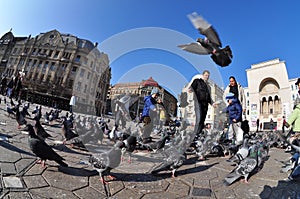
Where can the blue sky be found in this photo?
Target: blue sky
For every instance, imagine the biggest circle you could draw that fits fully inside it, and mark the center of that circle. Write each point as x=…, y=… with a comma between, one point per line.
x=140, y=36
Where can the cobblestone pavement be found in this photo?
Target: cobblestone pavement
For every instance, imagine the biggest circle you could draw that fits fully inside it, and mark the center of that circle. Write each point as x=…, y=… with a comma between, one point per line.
x=22, y=178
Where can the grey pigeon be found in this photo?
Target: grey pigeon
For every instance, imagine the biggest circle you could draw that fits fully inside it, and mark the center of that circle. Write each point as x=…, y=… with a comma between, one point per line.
x=244, y=168
x=67, y=132
x=20, y=118
x=106, y=161
x=242, y=153
x=210, y=45
x=174, y=159
x=41, y=149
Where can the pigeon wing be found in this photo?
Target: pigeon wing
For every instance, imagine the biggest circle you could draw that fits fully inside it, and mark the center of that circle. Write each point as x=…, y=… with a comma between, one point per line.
x=205, y=28
x=194, y=48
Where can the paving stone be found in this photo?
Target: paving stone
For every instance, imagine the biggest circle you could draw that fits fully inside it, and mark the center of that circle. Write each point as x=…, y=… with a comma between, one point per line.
x=8, y=168
x=115, y=187
x=128, y=194
x=7, y=154
x=51, y=192
x=88, y=192
x=19, y=195
x=146, y=186
x=36, y=181
x=64, y=181
x=95, y=183
x=36, y=169
x=24, y=164
x=178, y=188
x=164, y=195
x=12, y=182
x=198, y=191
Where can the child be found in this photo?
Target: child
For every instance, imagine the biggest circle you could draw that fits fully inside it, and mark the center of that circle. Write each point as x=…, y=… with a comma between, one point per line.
x=234, y=110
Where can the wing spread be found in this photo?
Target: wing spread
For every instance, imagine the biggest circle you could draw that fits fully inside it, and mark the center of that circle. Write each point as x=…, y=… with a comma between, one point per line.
x=205, y=28
x=194, y=48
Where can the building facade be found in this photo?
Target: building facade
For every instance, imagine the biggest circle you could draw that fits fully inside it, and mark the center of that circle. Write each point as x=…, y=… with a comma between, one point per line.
x=143, y=89
x=57, y=66
x=270, y=93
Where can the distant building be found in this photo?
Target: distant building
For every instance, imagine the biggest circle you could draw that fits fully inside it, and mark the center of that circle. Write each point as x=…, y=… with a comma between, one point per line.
x=143, y=89
x=57, y=66
x=270, y=93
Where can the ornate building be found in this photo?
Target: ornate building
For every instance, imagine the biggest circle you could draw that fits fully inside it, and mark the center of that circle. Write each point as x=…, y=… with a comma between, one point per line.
x=57, y=66
x=143, y=89
x=270, y=93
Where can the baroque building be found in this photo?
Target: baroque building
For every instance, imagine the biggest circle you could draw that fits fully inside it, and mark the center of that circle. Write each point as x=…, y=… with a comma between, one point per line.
x=270, y=93
x=55, y=66
x=142, y=89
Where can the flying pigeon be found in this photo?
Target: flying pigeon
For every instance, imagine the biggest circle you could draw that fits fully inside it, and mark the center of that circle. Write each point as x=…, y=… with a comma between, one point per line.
x=244, y=168
x=41, y=149
x=211, y=44
x=105, y=162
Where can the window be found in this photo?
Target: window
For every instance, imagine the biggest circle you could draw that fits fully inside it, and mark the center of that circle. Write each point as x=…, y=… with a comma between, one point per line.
x=33, y=51
x=15, y=50
x=85, y=88
x=74, y=69
x=50, y=53
x=34, y=63
x=52, y=67
x=56, y=54
x=78, y=87
x=45, y=66
x=70, y=85
x=77, y=59
x=88, y=75
x=82, y=72
x=40, y=64
x=247, y=94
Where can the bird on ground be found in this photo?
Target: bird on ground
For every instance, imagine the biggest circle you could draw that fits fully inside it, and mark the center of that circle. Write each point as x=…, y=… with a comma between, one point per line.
x=106, y=161
x=10, y=111
x=67, y=132
x=40, y=131
x=246, y=167
x=24, y=111
x=159, y=144
x=41, y=149
x=241, y=154
x=211, y=44
x=174, y=159
x=130, y=145
x=20, y=118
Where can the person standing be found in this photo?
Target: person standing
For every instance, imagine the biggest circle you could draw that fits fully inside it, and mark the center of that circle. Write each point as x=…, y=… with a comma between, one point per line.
x=238, y=91
x=257, y=124
x=202, y=92
x=149, y=108
x=234, y=110
x=271, y=124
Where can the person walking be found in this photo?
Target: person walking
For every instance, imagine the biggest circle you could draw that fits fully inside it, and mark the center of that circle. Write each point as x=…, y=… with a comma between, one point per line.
x=201, y=89
x=238, y=91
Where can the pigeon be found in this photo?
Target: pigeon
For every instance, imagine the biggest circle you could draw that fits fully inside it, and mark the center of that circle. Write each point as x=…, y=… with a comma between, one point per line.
x=40, y=131
x=106, y=161
x=210, y=45
x=155, y=146
x=244, y=168
x=20, y=118
x=41, y=149
x=24, y=111
x=10, y=111
x=173, y=160
x=241, y=154
x=67, y=132
x=130, y=145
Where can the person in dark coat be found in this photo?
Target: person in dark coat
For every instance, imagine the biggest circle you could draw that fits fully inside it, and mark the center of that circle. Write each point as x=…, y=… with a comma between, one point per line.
x=3, y=84
x=202, y=92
